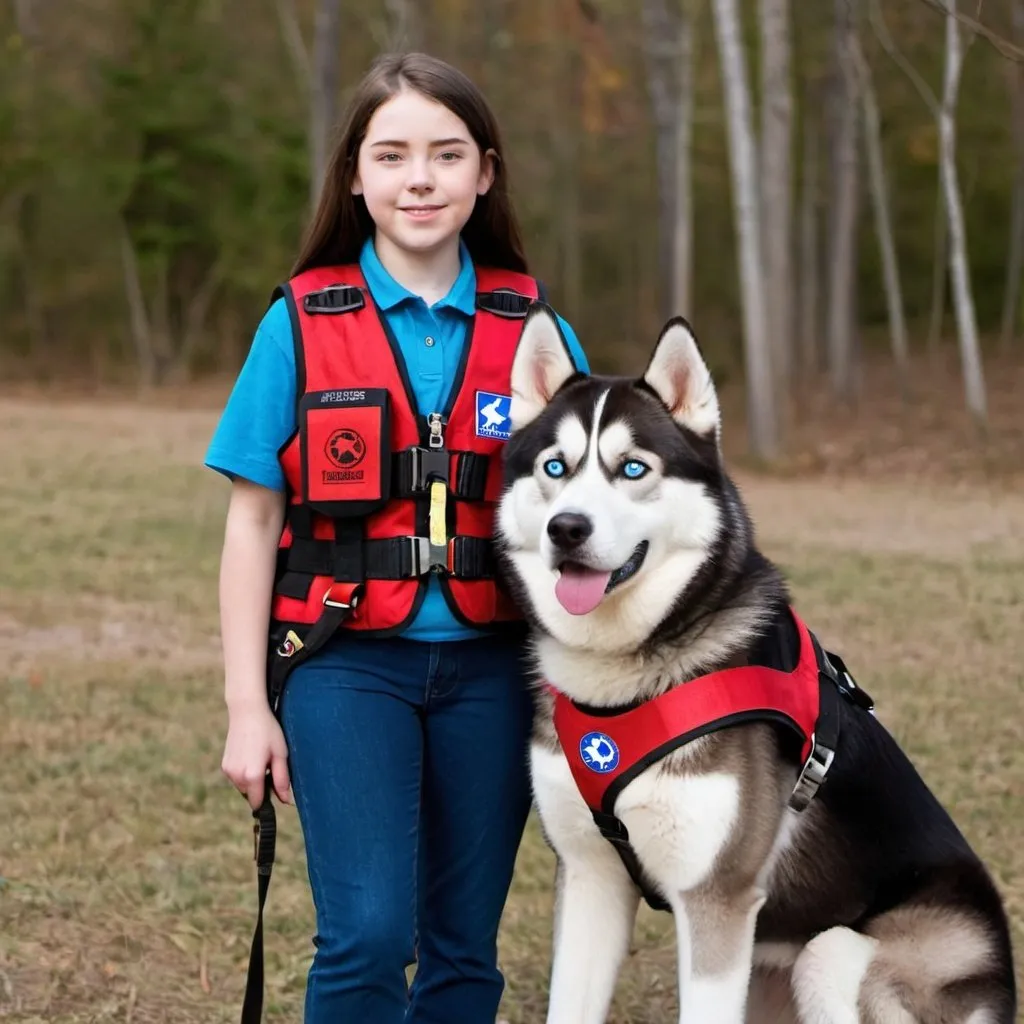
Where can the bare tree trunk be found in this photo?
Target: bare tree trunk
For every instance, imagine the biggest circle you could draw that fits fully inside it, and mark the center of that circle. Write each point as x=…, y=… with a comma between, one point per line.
x=883, y=222
x=963, y=300
x=777, y=183
x=660, y=41
x=297, y=52
x=142, y=335
x=940, y=262
x=196, y=315
x=762, y=415
x=1015, y=258
x=843, y=255
x=810, y=260
x=323, y=108
x=406, y=25
x=681, y=290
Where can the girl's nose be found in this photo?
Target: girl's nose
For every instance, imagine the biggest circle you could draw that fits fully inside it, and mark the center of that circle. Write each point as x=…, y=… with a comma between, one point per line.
x=421, y=175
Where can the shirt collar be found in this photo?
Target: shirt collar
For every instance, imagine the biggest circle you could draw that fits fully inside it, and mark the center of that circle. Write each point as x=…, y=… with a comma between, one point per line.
x=388, y=293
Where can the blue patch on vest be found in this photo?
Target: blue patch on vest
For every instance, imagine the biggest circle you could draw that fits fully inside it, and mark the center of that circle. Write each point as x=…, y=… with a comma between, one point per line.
x=493, y=414
x=599, y=752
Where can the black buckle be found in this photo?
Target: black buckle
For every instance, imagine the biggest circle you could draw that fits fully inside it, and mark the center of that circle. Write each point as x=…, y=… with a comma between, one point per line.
x=504, y=303
x=335, y=298
x=429, y=464
x=418, y=549
x=812, y=775
x=847, y=686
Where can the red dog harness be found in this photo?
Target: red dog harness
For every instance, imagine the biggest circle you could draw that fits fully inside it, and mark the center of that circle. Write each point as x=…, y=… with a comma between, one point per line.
x=606, y=751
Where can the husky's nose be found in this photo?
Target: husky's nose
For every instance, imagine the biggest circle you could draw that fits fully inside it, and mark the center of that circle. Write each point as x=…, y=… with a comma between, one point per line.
x=568, y=530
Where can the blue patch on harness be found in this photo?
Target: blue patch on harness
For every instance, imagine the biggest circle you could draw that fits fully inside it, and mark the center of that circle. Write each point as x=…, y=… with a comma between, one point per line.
x=493, y=415
x=599, y=752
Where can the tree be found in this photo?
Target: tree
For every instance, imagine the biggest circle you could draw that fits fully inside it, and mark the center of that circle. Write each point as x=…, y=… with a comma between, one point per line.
x=842, y=260
x=883, y=220
x=776, y=177
x=959, y=270
x=1015, y=257
x=761, y=406
x=956, y=232
x=323, y=106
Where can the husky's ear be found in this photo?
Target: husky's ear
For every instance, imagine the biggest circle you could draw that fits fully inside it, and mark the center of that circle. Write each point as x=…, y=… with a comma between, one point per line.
x=541, y=366
x=681, y=379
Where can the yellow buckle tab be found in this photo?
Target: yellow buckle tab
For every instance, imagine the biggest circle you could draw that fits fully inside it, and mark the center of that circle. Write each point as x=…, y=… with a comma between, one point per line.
x=438, y=514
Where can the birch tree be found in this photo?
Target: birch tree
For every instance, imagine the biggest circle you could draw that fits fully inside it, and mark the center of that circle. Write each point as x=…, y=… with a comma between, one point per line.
x=1015, y=256
x=681, y=290
x=662, y=62
x=944, y=112
x=761, y=406
x=883, y=220
x=959, y=270
x=406, y=27
x=810, y=261
x=776, y=174
x=842, y=262
x=323, y=106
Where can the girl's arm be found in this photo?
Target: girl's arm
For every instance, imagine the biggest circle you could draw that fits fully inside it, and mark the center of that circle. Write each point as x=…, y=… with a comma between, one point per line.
x=254, y=741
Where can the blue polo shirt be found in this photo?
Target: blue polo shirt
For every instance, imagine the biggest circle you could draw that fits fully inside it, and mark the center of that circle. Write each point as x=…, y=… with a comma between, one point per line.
x=260, y=414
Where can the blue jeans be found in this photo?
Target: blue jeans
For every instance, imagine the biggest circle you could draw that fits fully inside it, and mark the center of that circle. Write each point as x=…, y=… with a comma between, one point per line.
x=409, y=768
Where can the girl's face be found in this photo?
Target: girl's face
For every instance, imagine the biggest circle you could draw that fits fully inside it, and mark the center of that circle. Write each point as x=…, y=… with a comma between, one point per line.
x=420, y=172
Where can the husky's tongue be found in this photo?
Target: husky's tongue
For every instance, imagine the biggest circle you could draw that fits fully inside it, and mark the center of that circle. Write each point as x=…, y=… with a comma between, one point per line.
x=579, y=590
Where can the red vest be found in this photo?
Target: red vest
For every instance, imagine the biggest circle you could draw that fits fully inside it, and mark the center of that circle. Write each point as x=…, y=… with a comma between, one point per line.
x=379, y=495
x=606, y=752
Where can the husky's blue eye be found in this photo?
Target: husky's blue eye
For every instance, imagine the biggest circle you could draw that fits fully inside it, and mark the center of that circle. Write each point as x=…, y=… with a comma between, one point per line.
x=634, y=469
x=554, y=468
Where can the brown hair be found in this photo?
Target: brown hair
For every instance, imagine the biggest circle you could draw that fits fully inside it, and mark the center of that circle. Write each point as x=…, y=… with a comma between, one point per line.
x=342, y=223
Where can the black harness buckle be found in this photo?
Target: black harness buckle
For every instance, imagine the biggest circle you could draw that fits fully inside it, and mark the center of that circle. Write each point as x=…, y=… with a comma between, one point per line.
x=335, y=298
x=428, y=465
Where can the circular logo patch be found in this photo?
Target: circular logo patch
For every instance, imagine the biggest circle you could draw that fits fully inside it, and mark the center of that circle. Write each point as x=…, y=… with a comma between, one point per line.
x=345, y=448
x=599, y=752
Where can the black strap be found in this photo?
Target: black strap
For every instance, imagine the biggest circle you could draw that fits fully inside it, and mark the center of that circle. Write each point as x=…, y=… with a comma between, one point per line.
x=508, y=304
x=265, y=841
x=283, y=660
x=414, y=468
x=616, y=833
x=393, y=558
x=336, y=298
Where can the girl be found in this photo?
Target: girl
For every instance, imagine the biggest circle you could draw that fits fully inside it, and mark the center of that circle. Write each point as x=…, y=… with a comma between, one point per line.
x=363, y=440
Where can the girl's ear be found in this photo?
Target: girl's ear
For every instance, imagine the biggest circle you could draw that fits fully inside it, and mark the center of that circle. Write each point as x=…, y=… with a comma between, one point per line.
x=357, y=185
x=488, y=164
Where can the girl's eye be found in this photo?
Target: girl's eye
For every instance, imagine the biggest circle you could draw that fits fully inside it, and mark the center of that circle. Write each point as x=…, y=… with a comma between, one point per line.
x=634, y=469
x=554, y=468
x=450, y=158
x=389, y=158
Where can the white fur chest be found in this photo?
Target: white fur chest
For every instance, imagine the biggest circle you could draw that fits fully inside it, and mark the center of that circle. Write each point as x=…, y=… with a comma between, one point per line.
x=678, y=824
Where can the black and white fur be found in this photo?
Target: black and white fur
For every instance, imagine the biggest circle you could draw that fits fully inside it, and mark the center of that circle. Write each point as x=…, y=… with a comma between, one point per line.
x=867, y=908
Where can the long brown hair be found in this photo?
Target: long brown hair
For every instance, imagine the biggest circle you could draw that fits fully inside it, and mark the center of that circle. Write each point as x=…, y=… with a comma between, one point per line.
x=342, y=223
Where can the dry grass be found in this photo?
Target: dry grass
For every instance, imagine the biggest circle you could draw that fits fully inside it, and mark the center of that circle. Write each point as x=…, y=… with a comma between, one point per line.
x=125, y=875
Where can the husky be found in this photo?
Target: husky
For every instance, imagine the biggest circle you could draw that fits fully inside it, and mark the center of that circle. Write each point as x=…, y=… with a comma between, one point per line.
x=836, y=891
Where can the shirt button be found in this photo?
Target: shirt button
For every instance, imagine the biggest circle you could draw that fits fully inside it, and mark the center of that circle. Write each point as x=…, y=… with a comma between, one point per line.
x=429, y=342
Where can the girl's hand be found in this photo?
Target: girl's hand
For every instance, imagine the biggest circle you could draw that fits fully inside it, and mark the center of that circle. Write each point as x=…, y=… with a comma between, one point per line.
x=254, y=741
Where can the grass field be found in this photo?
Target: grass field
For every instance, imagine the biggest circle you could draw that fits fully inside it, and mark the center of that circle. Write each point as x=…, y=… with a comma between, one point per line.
x=126, y=883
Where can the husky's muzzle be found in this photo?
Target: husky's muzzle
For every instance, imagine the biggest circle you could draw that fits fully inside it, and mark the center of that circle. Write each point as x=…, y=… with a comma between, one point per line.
x=581, y=587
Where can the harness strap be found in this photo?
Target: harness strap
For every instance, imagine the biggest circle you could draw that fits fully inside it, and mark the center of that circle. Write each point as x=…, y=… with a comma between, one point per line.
x=393, y=558
x=618, y=835
x=413, y=469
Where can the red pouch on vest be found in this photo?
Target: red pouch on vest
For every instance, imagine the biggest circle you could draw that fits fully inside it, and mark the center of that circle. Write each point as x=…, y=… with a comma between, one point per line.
x=345, y=449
